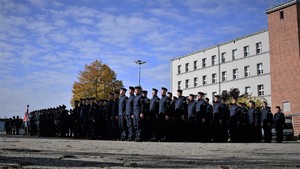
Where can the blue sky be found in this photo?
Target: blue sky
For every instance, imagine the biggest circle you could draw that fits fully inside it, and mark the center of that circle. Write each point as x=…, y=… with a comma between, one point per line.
x=45, y=43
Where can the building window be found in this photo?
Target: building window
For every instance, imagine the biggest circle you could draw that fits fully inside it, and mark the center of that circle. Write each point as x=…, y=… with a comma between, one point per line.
x=179, y=69
x=247, y=71
x=186, y=83
x=204, y=79
x=214, y=78
x=179, y=85
x=213, y=60
x=260, y=69
x=247, y=90
x=195, y=82
x=260, y=89
x=195, y=65
x=223, y=56
x=224, y=76
x=235, y=73
x=281, y=15
x=246, y=51
x=186, y=67
x=286, y=106
x=203, y=62
x=234, y=54
x=258, y=48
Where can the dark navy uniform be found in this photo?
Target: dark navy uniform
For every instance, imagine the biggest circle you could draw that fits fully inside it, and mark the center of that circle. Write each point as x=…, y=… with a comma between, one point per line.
x=128, y=117
x=145, y=120
x=122, y=112
x=202, y=120
x=114, y=116
x=179, y=124
x=234, y=122
x=153, y=116
x=254, y=128
x=267, y=121
x=191, y=121
x=224, y=121
x=137, y=110
x=164, y=117
x=279, y=122
x=217, y=130
x=243, y=126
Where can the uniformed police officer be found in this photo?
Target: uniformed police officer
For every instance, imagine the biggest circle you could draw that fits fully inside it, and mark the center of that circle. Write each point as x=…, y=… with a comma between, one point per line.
x=122, y=111
x=145, y=120
x=201, y=118
x=129, y=114
x=164, y=115
x=137, y=114
x=234, y=121
x=224, y=119
x=153, y=115
x=179, y=123
x=93, y=113
x=209, y=129
x=254, y=122
x=279, y=122
x=267, y=120
x=191, y=119
x=114, y=114
x=217, y=130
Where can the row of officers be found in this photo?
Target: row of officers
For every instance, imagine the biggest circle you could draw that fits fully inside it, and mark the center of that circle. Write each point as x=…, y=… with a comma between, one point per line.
x=165, y=118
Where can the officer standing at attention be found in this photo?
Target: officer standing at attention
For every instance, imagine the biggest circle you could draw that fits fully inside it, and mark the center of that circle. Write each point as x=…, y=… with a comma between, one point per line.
x=114, y=114
x=234, y=121
x=129, y=114
x=137, y=114
x=267, y=120
x=122, y=111
x=217, y=129
x=224, y=119
x=145, y=120
x=279, y=121
x=153, y=115
x=180, y=109
x=164, y=115
x=201, y=118
x=191, y=119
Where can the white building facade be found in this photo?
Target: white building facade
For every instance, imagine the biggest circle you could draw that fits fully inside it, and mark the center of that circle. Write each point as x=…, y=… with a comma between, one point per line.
x=243, y=63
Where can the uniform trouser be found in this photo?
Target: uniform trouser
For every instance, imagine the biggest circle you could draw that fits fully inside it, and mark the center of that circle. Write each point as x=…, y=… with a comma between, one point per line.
x=267, y=131
x=129, y=122
x=191, y=126
x=279, y=134
x=153, y=127
x=138, y=125
x=164, y=126
x=123, y=127
x=115, y=128
x=203, y=127
x=257, y=133
x=233, y=130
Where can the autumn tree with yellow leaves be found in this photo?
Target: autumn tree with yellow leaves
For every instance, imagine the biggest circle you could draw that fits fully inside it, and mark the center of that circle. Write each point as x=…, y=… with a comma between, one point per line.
x=97, y=80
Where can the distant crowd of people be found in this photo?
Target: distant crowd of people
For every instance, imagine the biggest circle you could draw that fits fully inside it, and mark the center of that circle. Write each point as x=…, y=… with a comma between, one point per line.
x=166, y=118
x=12, y=125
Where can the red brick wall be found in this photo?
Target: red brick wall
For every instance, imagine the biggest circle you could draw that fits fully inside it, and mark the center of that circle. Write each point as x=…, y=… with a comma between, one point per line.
x=285, y=57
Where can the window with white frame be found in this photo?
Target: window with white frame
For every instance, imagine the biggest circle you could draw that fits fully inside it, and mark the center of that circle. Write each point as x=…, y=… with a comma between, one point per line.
x=195, y=82
x=247, y=71
x=213, y=60
x=258, y=48
x=186, y=67
x=179, y=69
x=260, y=89
x=179, y=85
x=235, y=73
x=246, y=51
x=195, y=65
x=260, y=69
x=187, y=83
x=223, y=57
x=204, y=79
x=203, y=62
x=214, y=78
x=234, y=54
x=224, y=76
x=247, y=90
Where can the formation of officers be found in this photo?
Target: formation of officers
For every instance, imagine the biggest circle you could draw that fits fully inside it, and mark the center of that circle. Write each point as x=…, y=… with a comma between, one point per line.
x=166, y=118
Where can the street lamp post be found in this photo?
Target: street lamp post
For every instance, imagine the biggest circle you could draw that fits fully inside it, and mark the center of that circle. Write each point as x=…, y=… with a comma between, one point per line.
x=140, y=62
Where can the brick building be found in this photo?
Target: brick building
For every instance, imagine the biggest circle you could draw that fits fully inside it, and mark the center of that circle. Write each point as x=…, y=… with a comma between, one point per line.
x=266, y=64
